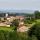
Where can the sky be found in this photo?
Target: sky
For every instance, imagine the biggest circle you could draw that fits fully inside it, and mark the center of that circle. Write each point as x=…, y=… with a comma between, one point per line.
x=19, y=4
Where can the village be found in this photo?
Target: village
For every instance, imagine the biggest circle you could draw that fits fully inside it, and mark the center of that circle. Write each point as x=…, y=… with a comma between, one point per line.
x=7, y=20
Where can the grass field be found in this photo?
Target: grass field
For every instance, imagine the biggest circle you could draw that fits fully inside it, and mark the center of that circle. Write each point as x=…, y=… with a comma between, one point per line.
x=6, y=28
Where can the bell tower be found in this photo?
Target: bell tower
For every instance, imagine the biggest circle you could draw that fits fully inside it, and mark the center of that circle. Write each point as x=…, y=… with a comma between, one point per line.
x=6, y=15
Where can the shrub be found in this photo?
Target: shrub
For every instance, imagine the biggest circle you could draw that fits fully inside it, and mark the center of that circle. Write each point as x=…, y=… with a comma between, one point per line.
x=14, y=35
x=15, y=24
x=35, y=30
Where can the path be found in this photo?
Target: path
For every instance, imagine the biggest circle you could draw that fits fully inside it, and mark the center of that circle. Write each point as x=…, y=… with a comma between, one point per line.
x=24, y=28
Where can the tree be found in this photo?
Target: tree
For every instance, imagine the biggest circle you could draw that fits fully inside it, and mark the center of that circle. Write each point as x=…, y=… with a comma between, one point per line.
x=0, y=19
x=15, y=23
x=35, y=30
x=37, y=14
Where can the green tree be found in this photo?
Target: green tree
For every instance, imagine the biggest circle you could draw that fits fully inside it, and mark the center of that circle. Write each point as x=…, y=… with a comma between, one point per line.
x=37, y=14
x=0, y=19
x=15, y=23
x=35, y=30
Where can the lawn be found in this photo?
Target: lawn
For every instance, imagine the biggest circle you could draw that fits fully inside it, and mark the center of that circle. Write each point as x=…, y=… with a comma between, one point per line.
x=6, y=28
x=38, y=20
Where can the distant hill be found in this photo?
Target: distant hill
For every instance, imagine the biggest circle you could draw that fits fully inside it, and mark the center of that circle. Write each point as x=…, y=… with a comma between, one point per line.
x=18, y=11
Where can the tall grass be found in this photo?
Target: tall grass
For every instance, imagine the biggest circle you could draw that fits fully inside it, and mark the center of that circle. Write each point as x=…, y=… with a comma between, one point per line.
x=13, y=35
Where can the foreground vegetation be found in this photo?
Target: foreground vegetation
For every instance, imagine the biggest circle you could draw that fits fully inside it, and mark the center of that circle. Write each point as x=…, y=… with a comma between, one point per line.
x=32, y=34
x=5, y=35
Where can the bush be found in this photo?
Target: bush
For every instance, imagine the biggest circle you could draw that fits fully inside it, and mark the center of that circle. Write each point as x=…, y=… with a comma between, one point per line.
x=15, y=24
x=13, y=35
x=28, y=21
x=35, y=30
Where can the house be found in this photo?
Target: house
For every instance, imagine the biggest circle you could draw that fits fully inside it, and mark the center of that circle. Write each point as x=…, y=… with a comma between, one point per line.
x=3, y=25
x=20, y=17
x=10, y=18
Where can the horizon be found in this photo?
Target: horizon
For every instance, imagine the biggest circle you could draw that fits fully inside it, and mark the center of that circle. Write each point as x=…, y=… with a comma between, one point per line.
x=18, y=11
